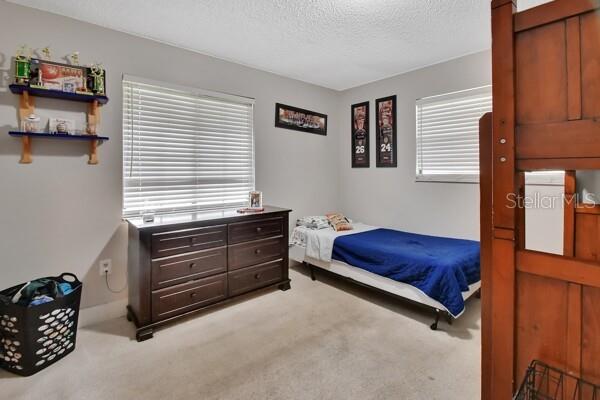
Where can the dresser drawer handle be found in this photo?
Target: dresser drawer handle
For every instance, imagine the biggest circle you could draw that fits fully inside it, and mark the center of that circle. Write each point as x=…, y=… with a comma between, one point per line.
x=192, y=265
x=257, y=251
x=258, y=230
x=194, y=240
x=257, y=276
x=193, y=294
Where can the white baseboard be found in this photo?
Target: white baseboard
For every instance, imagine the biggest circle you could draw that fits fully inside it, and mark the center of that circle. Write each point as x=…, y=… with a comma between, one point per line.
x=93, y=315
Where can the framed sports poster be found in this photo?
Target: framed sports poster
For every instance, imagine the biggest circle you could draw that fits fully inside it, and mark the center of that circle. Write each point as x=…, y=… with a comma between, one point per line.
x=299, y=119
x=386, y=132
x=360, y=135
x=56, y=76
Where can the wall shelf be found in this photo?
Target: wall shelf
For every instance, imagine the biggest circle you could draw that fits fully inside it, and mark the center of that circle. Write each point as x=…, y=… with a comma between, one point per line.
x=57, y=94
x=58, y=136
x=27, y=95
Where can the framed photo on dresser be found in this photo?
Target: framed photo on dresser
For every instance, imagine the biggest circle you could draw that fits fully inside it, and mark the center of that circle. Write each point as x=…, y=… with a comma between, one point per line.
x=385, y=109
x=360, y=135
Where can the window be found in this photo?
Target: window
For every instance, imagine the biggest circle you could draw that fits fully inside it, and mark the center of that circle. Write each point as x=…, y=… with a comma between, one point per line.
x=448, y=135
x=184, y=149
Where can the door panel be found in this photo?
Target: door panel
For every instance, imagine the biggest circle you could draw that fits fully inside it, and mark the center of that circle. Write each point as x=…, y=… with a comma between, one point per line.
x=541, y=67
x=542, y=307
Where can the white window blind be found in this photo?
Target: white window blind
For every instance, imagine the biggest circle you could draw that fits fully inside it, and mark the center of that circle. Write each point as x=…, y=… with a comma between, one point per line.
x=448, y=135
x=184, y=149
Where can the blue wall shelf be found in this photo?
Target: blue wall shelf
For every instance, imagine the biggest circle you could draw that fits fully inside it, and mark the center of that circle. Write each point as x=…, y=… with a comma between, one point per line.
x=57, y=94
x=26, y=108
x=57, y=136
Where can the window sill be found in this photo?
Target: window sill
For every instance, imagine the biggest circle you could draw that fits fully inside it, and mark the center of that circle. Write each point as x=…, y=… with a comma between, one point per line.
x=448, y=178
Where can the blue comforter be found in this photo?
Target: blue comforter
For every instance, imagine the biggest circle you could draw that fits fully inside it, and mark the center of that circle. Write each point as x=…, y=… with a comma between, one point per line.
x=442, y=268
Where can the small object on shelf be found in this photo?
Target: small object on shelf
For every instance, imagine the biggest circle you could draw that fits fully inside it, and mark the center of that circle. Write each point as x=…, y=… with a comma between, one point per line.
x=255, y=200
x=31, y=123
x=56, y=76
x=74, y=58
x=548, y=383
x=61, y=125
x=98, y=78
x=46, y=53
x=22, y=66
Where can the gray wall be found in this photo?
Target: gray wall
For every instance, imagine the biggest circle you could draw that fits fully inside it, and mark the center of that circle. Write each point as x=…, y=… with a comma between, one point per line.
x=390, y=196
x=59, y=214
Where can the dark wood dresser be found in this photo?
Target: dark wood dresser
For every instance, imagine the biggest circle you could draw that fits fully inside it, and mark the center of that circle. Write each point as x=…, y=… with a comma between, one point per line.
x=183, y=263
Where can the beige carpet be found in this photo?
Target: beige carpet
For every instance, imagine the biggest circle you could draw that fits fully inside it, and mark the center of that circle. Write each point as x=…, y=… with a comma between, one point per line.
x=320, y=340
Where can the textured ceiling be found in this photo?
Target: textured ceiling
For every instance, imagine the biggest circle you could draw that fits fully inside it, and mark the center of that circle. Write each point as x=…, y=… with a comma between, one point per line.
x=333, y=43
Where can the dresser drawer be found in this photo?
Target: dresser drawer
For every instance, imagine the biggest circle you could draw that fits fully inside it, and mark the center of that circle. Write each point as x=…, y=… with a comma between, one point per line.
x=172, y=270
x=244, y=231
x=186, y=240
x=247, y=279
x=188, y=296
x=256, y=252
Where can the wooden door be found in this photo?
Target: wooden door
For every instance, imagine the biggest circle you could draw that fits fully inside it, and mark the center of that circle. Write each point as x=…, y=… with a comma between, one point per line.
x=546, y=89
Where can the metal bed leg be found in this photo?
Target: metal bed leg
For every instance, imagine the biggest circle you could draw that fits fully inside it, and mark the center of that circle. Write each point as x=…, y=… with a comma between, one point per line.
x=434, y=326
x=312, y=270
x=438, y=314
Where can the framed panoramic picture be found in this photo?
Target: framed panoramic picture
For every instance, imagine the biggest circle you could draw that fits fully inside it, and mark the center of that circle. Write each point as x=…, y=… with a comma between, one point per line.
x=386, y=132
x=298, y=119
x=56, y=76
x=360, y=135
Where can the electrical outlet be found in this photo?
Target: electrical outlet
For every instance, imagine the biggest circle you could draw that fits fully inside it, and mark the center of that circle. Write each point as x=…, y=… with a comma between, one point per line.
x=105, y=267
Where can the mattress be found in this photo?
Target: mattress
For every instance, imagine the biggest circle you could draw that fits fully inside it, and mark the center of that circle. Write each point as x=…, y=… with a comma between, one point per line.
x=298, y=253
x=440, y=272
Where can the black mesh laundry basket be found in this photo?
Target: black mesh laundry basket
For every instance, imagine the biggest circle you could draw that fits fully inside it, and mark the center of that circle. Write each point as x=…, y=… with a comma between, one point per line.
x=33, y=338
x=543, y=382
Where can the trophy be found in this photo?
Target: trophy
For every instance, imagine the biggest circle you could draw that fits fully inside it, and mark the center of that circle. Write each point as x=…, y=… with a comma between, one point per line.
x=22, y=65
x=46, y=53
x=74, y=58
x=31, y=123
x=98, y=75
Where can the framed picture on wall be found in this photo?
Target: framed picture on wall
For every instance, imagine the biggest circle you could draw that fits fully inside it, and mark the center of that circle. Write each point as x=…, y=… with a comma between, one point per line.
x=56, y=76
x=385, y=109
x=360, y=135
x=298, y=119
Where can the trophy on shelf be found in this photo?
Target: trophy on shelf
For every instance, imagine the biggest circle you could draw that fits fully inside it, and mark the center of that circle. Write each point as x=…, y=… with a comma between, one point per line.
x=23, y=65
x=81, y=87
x=46, y=53
x=31, y=124
x=98, y=79
x=38, y=70
x=74, y=58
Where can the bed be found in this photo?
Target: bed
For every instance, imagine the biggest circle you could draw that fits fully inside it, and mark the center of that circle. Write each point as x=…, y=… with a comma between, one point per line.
x=434, y=272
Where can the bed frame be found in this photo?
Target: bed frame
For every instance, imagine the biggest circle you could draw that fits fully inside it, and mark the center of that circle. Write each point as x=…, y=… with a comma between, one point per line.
x=440, y=313
x=546, y=104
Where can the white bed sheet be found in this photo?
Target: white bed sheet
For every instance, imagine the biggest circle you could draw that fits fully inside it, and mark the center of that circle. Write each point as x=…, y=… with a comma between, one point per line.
x=319, y=242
